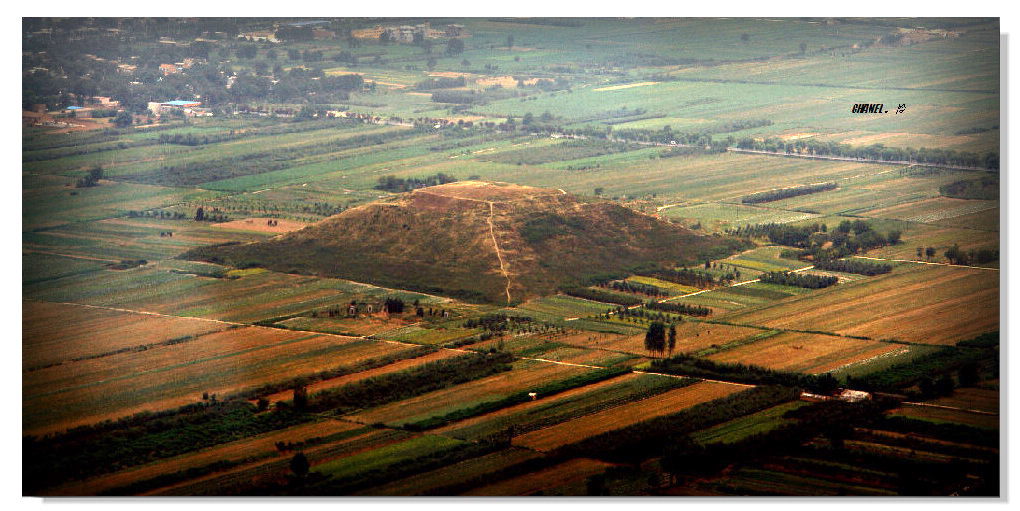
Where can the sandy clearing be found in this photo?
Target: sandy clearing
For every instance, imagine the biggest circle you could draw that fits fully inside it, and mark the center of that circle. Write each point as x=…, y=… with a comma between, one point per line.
x=621, y=87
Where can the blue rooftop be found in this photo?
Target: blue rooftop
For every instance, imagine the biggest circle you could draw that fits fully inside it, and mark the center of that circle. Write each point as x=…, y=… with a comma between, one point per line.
x=180, y=102
x=74, y=108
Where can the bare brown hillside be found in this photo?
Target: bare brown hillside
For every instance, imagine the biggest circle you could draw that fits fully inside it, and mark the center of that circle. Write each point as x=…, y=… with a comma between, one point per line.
x=476, y=240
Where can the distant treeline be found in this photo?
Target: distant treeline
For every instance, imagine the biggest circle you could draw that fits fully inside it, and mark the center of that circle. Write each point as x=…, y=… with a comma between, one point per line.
x=392, y=183
x=854, y=266
x=786, y=193
x=786, y=278
x=602, y=296
x=989, y=160
x=636, y=287
x=679, y=308
x=685, y=277
x=441, y=82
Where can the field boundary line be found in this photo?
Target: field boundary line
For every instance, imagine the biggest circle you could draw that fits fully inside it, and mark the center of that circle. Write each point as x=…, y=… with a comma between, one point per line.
x=954, y=408
x=926, y=262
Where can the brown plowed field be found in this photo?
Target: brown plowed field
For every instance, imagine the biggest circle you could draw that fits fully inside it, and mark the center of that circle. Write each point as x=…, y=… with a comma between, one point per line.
x=624, y=415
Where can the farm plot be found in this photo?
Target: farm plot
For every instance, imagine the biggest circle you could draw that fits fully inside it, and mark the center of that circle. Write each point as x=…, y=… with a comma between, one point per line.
x=738, y=429
x=942, y=415
x=129, y=238
x=940, y=237
x=54, y=333
x=49, y=201
x=562, y=306
x=525, y=375
x=258, y=447
x=363, y=325
x=691, y=336
x=164, y=377
x=719, y=217
x=899, y=305
x=559, y=475
x=425, y=483
x=39, y=267
x=808, y=353
x=400, y=365
x=387, y=456
x=937, y=210
x=570, y=404
x=238, y=479
x=624, y=415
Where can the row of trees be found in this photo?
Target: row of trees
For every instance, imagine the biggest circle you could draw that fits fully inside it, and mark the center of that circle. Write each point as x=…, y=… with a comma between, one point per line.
x=636, y=287
x=679, y=308
x=602, y=296
x=804, y=280
x=685, y=276
x=854, y=266
x=989, y=160
x=393, y=183
x=786, y=193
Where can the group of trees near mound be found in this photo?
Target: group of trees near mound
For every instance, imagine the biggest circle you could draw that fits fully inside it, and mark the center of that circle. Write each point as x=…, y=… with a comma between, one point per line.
x=391, y=183
x=679, y=308
x=657, y=340
x=848, y=238
x=852, y=266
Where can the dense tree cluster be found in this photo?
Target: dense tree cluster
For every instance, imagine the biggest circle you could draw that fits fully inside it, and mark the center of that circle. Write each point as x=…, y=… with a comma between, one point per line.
x=442, y=82
x=700, y=367
x=679, y=308
x=854, y=266
x=636, y=287
x=786, y=193
x=685, y=276
x=393, y=183
x=602, y=296
x=805, y=280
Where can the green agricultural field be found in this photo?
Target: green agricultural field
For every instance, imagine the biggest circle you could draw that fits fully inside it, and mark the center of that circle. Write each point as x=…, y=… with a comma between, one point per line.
x=739, y=429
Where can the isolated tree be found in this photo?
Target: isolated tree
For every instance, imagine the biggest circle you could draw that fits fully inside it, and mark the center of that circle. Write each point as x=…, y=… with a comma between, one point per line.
x=510, y=41
x=944, y=385
x=930, y=252
x=920, y=252
x=803, y=48
x=655, y=338
x=123, y=119
x=955, y=255
x=299, y=465
x=455, y=47
x=200, y=214
x=598, y=191
x=969, y=375
x=745, y=37
x=300, y=397
x=672, y=337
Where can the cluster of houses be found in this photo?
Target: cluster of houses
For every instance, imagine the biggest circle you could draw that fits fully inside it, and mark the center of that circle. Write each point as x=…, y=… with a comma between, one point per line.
x=187, y=107
x=407, y=33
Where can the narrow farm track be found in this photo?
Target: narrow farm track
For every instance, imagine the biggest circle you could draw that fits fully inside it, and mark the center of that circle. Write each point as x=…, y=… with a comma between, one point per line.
x=502, y=265
x=926, y=262
x=954, y=408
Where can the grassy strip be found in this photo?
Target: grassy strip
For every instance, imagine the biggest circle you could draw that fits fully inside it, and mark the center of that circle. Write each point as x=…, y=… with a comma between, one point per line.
x=517, y=398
